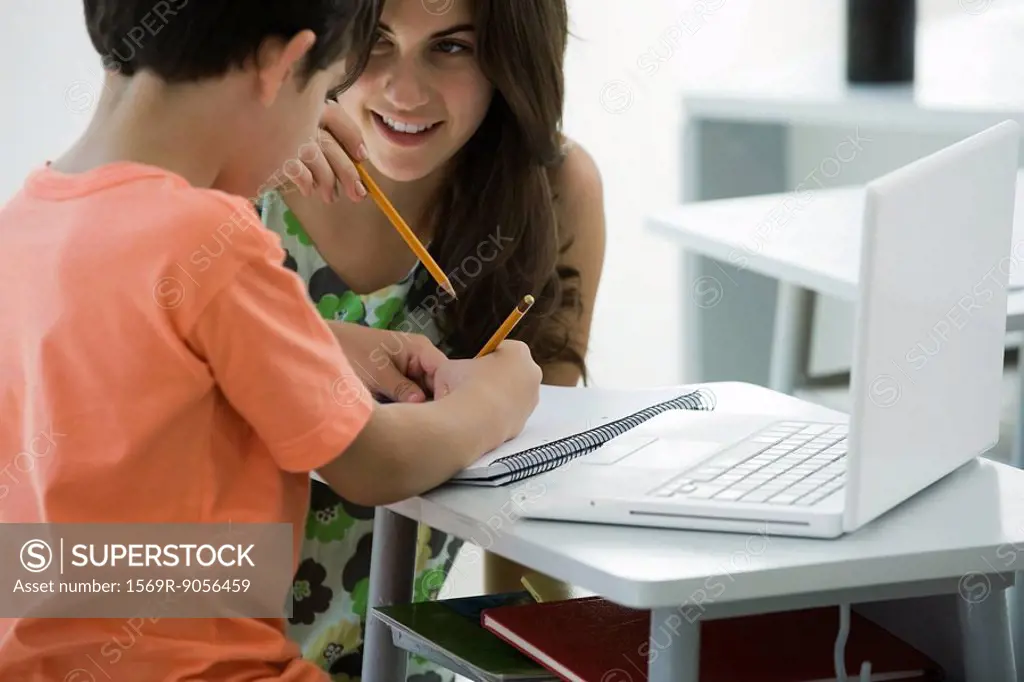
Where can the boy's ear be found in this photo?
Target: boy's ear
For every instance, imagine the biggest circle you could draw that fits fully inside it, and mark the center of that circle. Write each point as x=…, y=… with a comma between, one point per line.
x=277, y=62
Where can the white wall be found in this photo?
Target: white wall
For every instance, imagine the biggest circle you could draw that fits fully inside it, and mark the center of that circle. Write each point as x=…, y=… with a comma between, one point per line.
x=627, y=119
x=50, y=76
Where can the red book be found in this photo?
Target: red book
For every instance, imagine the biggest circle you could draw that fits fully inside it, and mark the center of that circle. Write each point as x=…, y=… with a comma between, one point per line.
x=588, y=639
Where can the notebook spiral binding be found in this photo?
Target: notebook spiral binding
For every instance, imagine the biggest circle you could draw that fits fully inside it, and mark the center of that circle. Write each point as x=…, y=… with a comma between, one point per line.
x=552, y=455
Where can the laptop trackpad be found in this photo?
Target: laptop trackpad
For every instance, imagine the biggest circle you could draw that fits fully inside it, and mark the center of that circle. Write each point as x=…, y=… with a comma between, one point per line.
x=675, y=440
x=650, y=452
x=617, y=449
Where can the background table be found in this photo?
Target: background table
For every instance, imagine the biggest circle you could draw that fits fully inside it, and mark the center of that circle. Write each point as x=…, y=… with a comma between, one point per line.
x=748, y=132
x=809, y=242
x=920, y=551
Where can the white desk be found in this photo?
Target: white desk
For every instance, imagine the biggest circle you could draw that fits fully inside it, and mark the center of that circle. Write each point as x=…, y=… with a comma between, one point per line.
x=810, y=243
x=944, y=549
x=741, y=128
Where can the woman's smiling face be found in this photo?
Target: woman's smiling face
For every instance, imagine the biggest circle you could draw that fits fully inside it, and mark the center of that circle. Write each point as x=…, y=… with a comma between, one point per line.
x=423, y=94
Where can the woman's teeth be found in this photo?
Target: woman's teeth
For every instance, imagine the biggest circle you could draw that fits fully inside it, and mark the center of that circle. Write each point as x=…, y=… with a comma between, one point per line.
x=405, y=127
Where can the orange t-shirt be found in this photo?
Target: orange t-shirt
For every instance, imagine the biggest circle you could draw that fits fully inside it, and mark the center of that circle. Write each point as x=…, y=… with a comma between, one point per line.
x=161, y=366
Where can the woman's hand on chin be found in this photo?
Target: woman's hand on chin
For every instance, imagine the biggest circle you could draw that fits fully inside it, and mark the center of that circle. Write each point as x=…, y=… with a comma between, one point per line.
x=327, y=167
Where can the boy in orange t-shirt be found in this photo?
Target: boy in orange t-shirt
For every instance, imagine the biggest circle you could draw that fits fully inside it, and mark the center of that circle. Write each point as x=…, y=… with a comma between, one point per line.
x=161, y=363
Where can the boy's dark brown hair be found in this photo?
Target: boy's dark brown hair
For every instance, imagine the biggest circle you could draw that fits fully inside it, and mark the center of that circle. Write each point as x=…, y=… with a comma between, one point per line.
x=188, y=40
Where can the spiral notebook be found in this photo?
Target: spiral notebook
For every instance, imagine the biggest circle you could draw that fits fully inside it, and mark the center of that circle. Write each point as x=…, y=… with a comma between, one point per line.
x=570, y=422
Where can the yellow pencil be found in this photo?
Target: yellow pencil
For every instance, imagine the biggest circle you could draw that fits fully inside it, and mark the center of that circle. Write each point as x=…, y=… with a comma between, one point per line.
x=403, y=229
x=532, y=590
x=506, y=328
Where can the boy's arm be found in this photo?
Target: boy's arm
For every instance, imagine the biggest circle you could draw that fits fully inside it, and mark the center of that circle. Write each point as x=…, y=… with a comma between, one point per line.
x=279, y=365
x=408, y=448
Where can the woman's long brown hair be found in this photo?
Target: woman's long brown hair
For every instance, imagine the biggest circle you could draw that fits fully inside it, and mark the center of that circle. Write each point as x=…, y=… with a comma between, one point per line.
x=496, y=207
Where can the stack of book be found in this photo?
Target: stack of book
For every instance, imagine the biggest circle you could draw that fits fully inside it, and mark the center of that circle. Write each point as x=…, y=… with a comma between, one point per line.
x=508, y=637
x=450, y=633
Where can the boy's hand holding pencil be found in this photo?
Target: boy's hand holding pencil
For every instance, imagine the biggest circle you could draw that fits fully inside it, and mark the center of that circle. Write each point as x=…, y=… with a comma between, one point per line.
x=400, y=367
x=459, y=368
x=507, y=381
x=503, y=372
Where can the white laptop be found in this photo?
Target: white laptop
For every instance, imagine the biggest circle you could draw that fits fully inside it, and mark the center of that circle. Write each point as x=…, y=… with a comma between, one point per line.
x=925, y=383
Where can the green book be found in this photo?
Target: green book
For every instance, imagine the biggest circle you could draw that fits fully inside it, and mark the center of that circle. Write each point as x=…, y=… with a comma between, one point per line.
x=449, y=633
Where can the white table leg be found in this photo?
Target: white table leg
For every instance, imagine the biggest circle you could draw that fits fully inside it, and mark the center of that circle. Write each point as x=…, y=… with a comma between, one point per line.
x=674, y=647
x=985, y=632
x=1017, y=453
x=692, y=333
x=392, y=564
x=791, y=339
x=1015, y=594
x=729, y=307
x=1015, y=608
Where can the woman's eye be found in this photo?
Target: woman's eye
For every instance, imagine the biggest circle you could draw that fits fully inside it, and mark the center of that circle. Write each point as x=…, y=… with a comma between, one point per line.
x=451, y=47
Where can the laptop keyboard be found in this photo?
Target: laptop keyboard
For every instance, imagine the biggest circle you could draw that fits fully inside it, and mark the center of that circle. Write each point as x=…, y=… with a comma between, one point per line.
x=787, y=463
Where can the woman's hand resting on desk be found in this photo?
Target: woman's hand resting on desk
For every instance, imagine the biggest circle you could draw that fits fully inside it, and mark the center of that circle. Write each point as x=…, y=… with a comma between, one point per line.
x=326, y=164
x=395, y=365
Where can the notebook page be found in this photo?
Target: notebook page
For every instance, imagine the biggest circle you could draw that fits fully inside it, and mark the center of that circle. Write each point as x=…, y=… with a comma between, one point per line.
x=564, y=411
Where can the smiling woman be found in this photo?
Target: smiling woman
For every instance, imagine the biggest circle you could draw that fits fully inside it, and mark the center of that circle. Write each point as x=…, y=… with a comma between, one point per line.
x=459, y=113
x=412, y=128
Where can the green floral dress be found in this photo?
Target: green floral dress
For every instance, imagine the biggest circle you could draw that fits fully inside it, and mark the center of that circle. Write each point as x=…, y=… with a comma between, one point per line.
x=332, y=582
